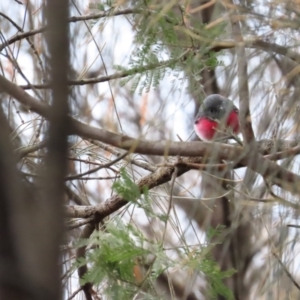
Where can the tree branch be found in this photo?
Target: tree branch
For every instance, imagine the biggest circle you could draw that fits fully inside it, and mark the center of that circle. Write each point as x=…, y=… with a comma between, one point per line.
x=257, y=163
x=216, y=47
x=117, y=75
x=80, y=253
x=160, y=176
x=27, y=34
x=285, y=269
x=51, y=184
x=22, y=152
x=244, y=113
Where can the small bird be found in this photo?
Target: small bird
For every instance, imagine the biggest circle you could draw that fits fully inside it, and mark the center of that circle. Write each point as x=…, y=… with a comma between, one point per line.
x=216, y=116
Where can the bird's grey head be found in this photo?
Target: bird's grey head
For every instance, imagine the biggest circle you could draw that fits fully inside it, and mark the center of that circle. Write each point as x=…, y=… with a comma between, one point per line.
x=215, y=107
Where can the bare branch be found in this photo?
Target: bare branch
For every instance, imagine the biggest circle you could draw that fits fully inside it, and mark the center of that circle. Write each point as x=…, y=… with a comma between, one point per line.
x=109, y=13
x=244, y=114
x=51, y=183
x=107, y=165
x=160, y=176
x=257, y=163
x=27, y=34
x=80, y=253
x=22, y=152
x=287, y=272
x=117, y=75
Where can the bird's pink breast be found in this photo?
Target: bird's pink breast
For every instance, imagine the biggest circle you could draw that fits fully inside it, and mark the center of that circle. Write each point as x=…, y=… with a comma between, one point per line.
x=205, y=128
x=233, y=122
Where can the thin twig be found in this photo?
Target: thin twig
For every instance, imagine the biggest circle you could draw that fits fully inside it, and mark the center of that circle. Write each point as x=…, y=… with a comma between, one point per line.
x=75, y=293
x=80, y=223
x=141, y=164
x=284, y=154
x=174, y=176
x=73, y=19
x=22, y=152
x=104, y=65
x=289, y=275
x=117, y=75
x=293, y=225
x=26, y=36
x=280, y=199
x=107, y=165
x=80, y=253
x=244, y=110
x=74, y=197
x=93, y=178
x=193, y=166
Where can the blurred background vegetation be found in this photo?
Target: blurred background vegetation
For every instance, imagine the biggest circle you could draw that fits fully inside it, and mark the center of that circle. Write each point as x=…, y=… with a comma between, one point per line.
x=142, y=69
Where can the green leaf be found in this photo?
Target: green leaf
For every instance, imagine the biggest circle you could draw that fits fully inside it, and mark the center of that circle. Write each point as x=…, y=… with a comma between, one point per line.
x=203, y=262
x=126, y=188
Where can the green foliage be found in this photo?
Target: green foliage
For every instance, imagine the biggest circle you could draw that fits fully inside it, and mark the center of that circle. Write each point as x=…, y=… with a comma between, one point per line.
x=163, y=41
x=120, y=247
x=214, y=232
x=210, y=268
x=126, y=188
x=203, y=262
x=113, y=259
